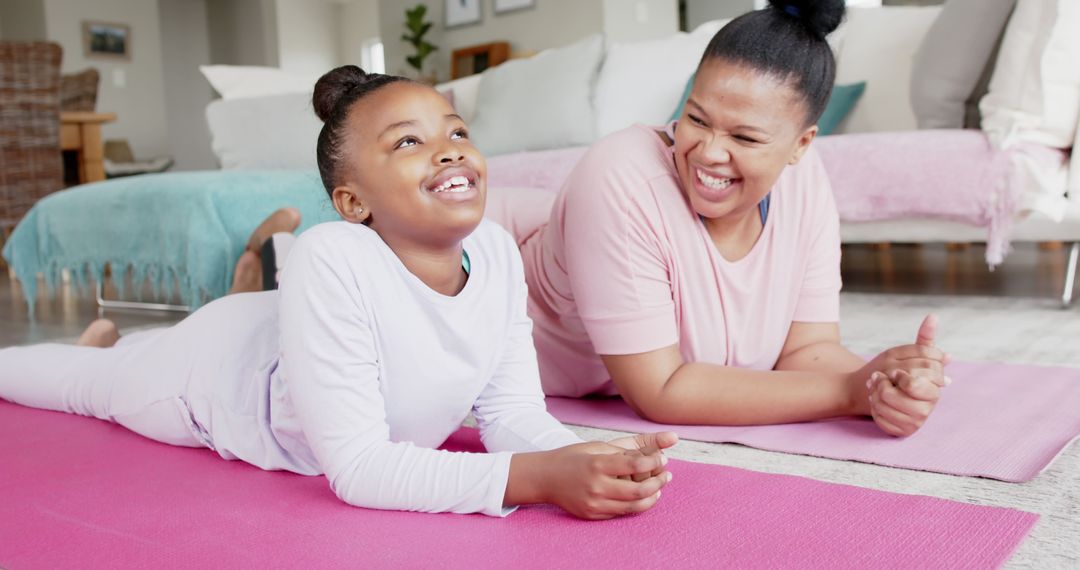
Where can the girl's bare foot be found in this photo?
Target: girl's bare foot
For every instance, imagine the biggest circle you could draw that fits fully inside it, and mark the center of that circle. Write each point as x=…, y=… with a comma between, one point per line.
x=283, y=220
x=247, y=277
x=248, y=273
x=101, y=333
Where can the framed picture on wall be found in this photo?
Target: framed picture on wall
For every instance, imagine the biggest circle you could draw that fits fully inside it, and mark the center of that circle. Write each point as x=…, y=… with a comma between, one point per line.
x=106, y=40
x=504, y=6
x=461, y=12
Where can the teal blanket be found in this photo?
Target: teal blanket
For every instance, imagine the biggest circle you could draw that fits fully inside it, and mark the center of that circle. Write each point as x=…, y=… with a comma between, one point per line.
x=183, y=228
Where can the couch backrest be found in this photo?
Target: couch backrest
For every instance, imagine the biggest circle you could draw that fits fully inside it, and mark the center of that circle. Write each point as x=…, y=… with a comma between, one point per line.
x=875, y=45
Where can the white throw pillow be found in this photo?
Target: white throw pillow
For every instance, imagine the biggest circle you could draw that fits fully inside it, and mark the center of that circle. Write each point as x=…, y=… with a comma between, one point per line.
x=1035, y=90
x=465, y=91
x=236, y=81
x=275, y=132
x=878, y=45
x=543, y=102
x=952, y=57
x=642, y=82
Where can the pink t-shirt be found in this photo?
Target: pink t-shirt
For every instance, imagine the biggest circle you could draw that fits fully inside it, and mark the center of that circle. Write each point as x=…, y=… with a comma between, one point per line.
x=625, y=266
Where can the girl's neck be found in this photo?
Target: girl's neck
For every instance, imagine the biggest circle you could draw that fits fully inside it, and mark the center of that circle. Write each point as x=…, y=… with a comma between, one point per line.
x=439, y=269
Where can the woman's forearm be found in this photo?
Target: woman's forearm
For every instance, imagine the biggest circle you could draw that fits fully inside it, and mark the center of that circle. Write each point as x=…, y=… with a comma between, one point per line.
x=826, y=356
x=699, y=393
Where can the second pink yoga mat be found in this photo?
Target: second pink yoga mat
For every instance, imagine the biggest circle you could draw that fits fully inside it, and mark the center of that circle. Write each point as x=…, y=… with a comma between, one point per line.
x=1002, y=421
x=81, y=493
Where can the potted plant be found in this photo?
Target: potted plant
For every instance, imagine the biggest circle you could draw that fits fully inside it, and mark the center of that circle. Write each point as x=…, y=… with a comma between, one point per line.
x=417, y=29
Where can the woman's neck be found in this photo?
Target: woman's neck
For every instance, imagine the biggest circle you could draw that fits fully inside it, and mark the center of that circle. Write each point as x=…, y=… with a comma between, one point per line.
x=734, y=235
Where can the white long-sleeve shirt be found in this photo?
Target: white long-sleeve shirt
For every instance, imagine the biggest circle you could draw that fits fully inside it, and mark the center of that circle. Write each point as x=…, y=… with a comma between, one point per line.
x=376, y=369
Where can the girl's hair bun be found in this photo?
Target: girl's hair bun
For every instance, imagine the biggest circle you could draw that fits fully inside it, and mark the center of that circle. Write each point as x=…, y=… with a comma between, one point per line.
x=332, y=87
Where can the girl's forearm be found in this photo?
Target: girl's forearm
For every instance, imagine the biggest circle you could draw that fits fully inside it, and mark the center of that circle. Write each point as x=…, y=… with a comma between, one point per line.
x=525, y=484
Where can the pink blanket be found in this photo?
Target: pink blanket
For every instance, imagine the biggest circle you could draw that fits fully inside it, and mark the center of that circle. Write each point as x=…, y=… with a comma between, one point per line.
x=81, y=493
x=951, y=175
x=1001, y=421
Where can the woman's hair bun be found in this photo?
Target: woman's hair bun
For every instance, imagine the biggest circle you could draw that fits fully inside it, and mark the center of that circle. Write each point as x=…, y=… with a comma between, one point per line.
x=332, y=87
x=820, y=17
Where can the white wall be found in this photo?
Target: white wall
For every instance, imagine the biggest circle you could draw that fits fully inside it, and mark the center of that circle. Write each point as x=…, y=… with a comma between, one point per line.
x=359, y=24
x=639, y=20
x=185, y=45
x=701, y=11
x=551, y=23
x=308, y=33
x=22, y=20
x=133, y=89
x=243, y=32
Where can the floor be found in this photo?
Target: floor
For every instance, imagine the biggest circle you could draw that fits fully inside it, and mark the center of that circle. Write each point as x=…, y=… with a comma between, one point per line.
x=1028, y=272
x=1009, y=315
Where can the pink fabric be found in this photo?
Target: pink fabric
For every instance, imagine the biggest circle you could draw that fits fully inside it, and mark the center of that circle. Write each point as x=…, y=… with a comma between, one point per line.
x=626, y=266
x=81, y=493
x=544, y=169
x=938, y=174
x=954, y=175
x=1001, y=421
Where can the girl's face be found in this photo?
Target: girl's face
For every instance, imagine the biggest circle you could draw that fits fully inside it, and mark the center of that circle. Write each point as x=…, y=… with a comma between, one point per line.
x=411, y=168
x=739, y=130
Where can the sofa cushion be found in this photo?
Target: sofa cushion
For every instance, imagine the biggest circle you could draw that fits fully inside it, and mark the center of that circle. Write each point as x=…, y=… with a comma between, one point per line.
x=1035, y=91
x=274, y=132
x=462, y=95
x=952, y=57
x=877, y=46
x=682, y=100
x=641, y=82
x=236, y=81
x=841, y=102
x=539, y=103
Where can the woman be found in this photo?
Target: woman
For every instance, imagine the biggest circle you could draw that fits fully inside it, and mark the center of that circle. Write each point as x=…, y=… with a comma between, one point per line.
x=694, y=269
x=389, y=328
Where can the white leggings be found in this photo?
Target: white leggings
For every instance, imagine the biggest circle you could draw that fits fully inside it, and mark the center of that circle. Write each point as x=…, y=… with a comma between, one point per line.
x=151, y=380
x=106, y=383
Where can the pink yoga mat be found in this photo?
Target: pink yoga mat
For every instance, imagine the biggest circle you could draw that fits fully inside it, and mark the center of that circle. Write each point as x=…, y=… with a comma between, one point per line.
x=1002, y=421
x=82, y=493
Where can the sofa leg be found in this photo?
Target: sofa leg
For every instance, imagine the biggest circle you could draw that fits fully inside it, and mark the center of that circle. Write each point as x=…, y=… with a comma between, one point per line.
x=104, y=304
x=1070, y=275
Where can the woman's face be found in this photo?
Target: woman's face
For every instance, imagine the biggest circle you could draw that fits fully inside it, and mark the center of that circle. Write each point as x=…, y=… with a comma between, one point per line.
x=411, y=166
x=739, y=130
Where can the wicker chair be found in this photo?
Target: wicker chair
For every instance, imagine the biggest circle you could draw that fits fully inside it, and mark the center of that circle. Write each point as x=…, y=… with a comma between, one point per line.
x=31, y=166
x=78, y=91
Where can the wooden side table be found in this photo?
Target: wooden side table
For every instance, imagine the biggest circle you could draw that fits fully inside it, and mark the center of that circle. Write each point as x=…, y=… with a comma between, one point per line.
x=475, y=59
x=80, y=131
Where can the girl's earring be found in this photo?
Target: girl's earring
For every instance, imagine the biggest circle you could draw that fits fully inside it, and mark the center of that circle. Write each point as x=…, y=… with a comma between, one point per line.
x=359, y=211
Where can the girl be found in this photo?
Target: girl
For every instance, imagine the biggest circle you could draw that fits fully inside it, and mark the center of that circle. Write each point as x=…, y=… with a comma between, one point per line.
x=694, y=269
x=388, y=329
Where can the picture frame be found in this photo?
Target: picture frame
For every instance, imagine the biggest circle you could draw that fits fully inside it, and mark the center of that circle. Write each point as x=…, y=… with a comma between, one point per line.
x=504, y=6
x=106, y=40
x=458, y=13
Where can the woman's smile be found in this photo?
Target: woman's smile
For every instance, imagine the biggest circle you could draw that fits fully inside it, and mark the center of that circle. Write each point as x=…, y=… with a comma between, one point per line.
x=715, y=187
